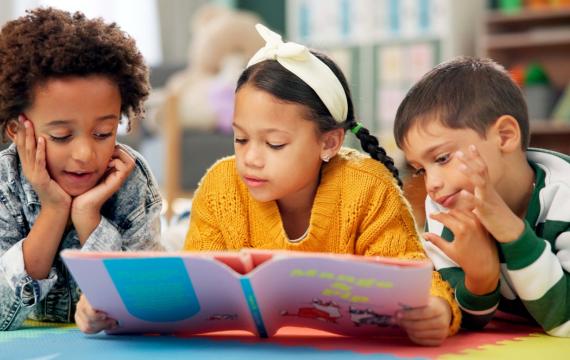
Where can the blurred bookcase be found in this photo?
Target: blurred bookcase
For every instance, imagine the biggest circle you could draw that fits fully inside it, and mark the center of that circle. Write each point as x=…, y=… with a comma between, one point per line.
x=517, y=37
x=384, y=46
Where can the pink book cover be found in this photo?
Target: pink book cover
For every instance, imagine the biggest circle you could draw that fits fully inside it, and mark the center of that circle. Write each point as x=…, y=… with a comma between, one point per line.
x=258, y=291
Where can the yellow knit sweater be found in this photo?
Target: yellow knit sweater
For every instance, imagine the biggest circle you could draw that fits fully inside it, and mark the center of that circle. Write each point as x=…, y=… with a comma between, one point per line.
x=358, y=209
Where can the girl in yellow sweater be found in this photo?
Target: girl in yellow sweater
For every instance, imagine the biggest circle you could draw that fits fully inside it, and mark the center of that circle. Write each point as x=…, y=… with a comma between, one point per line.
x=292, y=186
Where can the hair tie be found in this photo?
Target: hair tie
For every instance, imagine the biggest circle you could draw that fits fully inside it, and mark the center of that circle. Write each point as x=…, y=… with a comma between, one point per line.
x=356, y=128
x=298, y=59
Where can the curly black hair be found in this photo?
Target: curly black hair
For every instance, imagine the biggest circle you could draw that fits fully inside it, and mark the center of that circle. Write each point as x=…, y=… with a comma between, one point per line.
x=48, y=43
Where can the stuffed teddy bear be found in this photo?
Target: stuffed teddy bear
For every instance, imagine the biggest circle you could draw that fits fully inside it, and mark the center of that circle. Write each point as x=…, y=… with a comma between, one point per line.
x=223, y=40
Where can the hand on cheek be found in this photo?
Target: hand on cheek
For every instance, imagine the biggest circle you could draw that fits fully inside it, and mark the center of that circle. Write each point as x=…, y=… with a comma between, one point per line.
x=32, y=154
x=118, y=170
x=488, y=205
x=86, y=208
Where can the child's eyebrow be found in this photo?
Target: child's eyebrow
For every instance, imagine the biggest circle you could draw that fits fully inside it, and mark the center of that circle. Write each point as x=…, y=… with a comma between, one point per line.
x=433, y=148
x=60, y=122
x=107, y=117
x=266, y=131
x=56, y=123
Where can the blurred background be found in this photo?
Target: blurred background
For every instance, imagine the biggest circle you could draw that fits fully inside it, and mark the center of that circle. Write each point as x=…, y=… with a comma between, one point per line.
x=196, y=49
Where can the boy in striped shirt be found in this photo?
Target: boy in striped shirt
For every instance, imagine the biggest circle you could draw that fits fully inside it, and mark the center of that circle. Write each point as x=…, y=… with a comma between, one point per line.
x=498, y=212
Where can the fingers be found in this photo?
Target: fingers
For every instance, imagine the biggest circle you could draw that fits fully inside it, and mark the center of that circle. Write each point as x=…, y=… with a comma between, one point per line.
x=430, y=332
x=25, y=140
x=421, y=315
x=473, y=166
x=123, y=155
x=30, y=145
x=20, y=135
x=41, y=153
x=91, y=321
x=122, y=160
x=427, y=325
x=441, y=243
x=26, y=145
x=118, y=170
x=460, y=222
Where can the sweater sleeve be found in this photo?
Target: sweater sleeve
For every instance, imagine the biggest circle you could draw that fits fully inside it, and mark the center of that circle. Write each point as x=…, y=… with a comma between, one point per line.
x=20, y=294
x=389, y=230
x=541, y=278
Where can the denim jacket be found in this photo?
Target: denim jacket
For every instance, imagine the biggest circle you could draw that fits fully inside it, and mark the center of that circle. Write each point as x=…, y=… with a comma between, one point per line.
x=130, y=220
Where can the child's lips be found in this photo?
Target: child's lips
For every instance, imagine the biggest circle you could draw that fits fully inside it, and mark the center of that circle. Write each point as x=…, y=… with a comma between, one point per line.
x=448, y=200
x=254, y=182
x=79, y=176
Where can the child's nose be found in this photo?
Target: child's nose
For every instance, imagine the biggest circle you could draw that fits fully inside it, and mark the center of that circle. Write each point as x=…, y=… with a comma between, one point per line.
x=254, y=156
x=83, y=151
x=433, y=182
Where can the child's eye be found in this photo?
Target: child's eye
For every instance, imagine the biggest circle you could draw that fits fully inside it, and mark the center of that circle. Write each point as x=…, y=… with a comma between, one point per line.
x=60, y=139
x=442, y=159
x=103, y=135
x=418, y=172
x=240, y=141
x=276, y=146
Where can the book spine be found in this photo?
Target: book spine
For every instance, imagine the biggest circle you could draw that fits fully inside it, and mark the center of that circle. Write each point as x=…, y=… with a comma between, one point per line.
x=253, y=308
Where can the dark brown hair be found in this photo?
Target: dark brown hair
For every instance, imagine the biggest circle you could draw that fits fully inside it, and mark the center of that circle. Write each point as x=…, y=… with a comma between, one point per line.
x=47, y=43
x=463, y=93
x=272, y=77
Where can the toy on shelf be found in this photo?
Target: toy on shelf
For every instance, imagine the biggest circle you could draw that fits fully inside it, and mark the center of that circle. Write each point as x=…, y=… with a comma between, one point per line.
x=538, y=91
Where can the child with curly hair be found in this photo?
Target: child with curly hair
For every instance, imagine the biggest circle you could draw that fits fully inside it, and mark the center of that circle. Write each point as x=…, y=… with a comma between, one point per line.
x=65, y=83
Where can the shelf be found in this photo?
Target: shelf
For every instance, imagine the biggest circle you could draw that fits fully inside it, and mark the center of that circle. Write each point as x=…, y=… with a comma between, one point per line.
x=548, y=127
x=550, y=135
x=529, y=39
x=530, y=36
x=528, y=16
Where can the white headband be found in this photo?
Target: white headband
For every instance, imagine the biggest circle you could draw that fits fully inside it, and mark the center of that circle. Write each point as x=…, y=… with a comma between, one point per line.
x=299, y=60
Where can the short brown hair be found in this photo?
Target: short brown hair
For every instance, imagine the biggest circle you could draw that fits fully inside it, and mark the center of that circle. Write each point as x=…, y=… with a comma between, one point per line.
x=48, y=43
x=465, y=92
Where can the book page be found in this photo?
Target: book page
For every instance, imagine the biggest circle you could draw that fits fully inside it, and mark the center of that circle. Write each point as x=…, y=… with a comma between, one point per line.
x=164, y=293
x=342, y=294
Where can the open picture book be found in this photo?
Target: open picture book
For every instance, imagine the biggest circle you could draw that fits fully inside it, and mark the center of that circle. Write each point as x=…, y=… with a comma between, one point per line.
x=258, y=291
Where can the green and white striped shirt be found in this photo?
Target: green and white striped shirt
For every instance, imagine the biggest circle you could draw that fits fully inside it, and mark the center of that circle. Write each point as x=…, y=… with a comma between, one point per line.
x=535, y=279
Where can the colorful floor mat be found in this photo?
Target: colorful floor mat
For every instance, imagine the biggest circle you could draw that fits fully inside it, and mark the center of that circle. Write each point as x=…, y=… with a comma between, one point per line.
x=500, y=340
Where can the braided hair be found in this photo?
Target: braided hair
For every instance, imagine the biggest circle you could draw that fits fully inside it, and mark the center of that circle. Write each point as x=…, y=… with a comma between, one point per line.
x=272, y=77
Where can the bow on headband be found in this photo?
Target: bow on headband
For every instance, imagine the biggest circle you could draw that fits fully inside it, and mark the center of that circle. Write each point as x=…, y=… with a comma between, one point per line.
x=298, y=59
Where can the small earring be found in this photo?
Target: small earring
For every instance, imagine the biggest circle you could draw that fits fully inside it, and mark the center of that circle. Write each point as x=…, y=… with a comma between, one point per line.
x=326, y=158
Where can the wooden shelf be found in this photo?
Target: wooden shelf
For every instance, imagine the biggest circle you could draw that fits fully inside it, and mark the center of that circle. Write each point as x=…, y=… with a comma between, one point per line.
x=529, y=16
x=550, y=135
x=546, y=127
x=529, y=39
x=530, y=36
